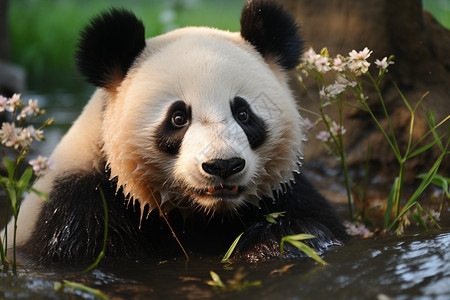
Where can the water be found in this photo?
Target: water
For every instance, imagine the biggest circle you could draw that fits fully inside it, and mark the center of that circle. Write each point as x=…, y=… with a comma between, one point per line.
x=409, y=267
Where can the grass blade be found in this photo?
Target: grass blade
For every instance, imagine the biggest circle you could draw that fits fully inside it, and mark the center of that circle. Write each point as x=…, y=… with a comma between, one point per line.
x=295, y=240
x=425, y=182
x=390, y=203
x=231, y=249
x=70, y=284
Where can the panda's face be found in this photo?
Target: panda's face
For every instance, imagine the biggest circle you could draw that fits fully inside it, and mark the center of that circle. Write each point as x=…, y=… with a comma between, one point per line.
x=202, y=121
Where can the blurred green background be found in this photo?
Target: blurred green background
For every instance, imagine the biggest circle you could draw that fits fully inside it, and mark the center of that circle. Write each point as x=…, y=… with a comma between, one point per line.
x=44, y=32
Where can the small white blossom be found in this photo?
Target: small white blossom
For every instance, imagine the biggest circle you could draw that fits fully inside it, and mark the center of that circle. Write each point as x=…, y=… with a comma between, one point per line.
x=310, y=56
x=355, y=230
x=308, y=124
x=30, y=109
x=3, y=102
x=343, y=80
x=339, y=64
x=383, y=64
x=9, y=135
x=13, y=102
x=323, y=136
x=336, y=130
x=322, y=64
x=41, y=165
x=358, y=61
x=361, y=55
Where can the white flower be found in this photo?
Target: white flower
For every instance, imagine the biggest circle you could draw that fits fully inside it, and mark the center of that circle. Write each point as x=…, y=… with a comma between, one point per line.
x=343, y=80
x=13, y=102
x=31, y=109
x=361, y=55
x=323, y=136
x=359, y=229
x=3, y=102
x=336, y=130
x=358, y=61
x=9, y=135
x=308, y=124
x=41, y=165
x=383, y=64
x=310, y=56
x=322, y=64
x=339, y=64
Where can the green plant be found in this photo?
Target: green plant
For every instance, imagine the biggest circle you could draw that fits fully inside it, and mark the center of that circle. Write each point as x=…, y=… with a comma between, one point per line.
x=295, y=240
x=351, y=75
x=60, y=286
x=236, y=284
x=17, y=137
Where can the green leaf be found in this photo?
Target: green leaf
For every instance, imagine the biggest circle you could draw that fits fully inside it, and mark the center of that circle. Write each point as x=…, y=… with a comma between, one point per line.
x=24, y=182
x=390, y=203
x=216, y=281
x=440, y=181
x=42, y=195
x=422, y=149
x=10, y=167
x=272, y=216
x=12, y=197
x=70, y=284
x=418, y=216
x=425, y=182
x=295, y=240
x=231, y=249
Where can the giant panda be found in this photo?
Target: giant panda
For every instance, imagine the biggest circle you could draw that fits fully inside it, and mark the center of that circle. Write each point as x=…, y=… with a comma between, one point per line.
x=197, y=125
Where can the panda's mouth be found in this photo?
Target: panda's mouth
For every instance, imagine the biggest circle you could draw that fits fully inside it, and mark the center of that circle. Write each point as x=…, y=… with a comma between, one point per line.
x=221, y=191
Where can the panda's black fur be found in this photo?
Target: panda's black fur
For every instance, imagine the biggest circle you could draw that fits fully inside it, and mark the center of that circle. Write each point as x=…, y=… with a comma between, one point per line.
x=70, y=226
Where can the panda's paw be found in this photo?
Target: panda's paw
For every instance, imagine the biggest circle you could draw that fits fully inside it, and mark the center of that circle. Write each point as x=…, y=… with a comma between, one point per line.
x=261, y=241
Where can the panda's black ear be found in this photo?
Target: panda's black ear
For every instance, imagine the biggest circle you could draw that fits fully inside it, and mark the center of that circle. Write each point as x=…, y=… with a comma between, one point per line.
x=273, y=32
x=108, y=46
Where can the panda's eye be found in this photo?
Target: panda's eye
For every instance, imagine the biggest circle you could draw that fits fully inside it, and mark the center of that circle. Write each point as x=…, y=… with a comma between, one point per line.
x=242, y=115
x=179, y=119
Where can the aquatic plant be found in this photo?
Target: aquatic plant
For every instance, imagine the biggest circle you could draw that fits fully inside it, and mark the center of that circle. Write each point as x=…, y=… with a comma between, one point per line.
x=352, y=75
x=16, y=137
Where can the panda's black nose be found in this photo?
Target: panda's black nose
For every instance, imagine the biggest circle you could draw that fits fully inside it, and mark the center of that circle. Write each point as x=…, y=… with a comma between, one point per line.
x=224, y=168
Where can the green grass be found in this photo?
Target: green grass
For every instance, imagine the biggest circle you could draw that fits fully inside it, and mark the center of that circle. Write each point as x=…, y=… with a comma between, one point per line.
x=440, y=10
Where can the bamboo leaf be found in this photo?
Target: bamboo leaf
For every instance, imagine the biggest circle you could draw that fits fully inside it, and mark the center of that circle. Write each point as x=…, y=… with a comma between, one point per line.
x=231, y=249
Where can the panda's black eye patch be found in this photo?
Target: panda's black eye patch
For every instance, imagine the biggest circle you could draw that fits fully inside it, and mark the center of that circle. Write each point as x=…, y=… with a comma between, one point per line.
x=170, y=133
x=253, y=126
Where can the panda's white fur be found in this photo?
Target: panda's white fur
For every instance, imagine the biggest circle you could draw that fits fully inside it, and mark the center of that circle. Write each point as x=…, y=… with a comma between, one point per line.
x=204, y=78
x=206, y=70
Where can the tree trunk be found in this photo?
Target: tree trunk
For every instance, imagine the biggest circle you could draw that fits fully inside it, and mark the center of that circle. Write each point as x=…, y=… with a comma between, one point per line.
x=422, y=63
